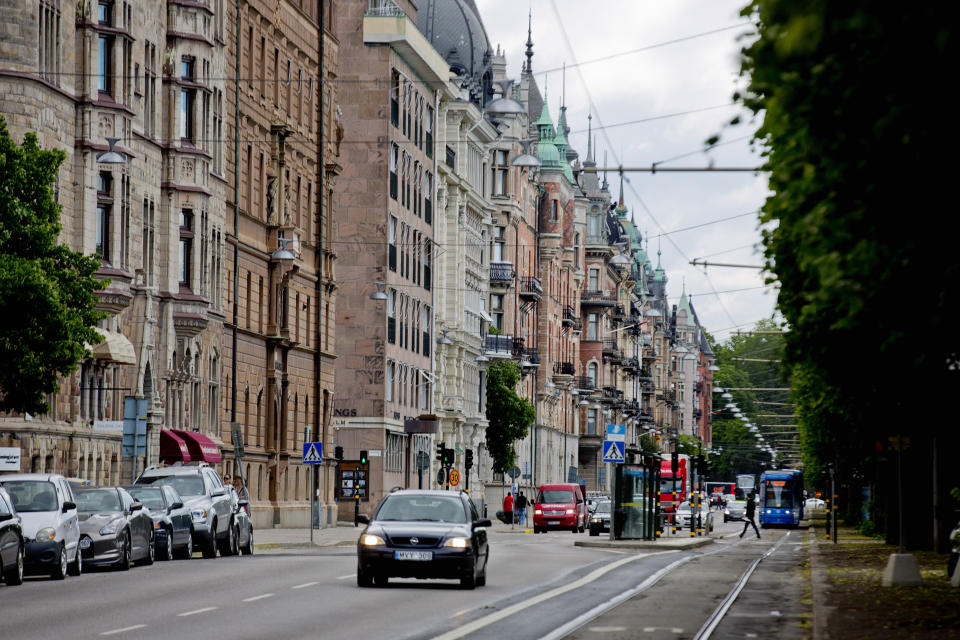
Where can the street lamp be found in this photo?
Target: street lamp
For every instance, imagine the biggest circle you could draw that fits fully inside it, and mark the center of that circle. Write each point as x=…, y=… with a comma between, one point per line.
x=504, y=105
x=378, y=294
x=443, y=338
x=283, y=255
x=620, y=261
x=110, y=156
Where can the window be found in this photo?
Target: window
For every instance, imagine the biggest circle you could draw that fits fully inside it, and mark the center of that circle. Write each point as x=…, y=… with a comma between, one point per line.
x=593, y=284
x=392, y=316
x=593, y=332
x=49, y=41
x=553, y=211
x=150, y=88
x=591, y=422
x=186, y=115
x=104, y=65
x=428, y=130
x=498, y=173
x=104, y=210
x=592, y=374
x=424, y=394
x=186, y=246
x=394, y=159
x=388, y=383
x=395, y=98
x=393, y=243
x=496, y=306
x=186, y=69
x=496, y=253
x=425, y=326
x=428, y=198
x=148, y=236
x=393, y=461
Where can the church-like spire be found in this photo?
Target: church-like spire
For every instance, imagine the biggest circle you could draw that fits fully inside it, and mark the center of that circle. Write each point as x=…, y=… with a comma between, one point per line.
x=529, y=65
x=620, y=204
x=589, y=139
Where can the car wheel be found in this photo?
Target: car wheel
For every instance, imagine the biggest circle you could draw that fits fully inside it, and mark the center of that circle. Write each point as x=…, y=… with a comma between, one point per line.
x=594, y=531
x=125, y=559
x=482, y=578
x=168, y=548
x=247, y=549
x=187, y=552
x=14, y=575
x=576, y=528
x=381, y=580
x=151, y=551
x=235, y=547
x=210, y=545
x=227, y=545
x=363, y=579
x=59, y=572
x=76, y=567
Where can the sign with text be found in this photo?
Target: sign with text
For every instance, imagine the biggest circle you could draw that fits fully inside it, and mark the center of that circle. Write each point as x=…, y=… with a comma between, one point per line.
x=9, y=458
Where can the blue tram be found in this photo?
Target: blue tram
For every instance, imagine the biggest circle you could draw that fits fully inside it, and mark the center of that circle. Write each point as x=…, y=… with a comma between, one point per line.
x=781, y=497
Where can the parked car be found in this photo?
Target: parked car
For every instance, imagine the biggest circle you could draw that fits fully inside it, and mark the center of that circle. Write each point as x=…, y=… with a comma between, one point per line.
x=814, y=504
x=172, y=522
x=423, y=534
x=115, y=529
x=685, y=512
x=559, y=506
x=244, y=526
x=205, y=495
x=51, y=529
x=734, y=510
x=600, y=518
x=11, y=541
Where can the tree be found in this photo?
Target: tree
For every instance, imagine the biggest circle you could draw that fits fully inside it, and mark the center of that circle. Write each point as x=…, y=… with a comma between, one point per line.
x=509, y=416
x=855, y=236
x=47, y=291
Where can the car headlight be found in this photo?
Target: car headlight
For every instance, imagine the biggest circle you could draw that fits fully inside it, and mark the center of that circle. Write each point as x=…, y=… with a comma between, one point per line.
x=199, y=515
x=457, y=543
x=537, y=512
x=370, y=540
x=111, y=527
x=726, y=512
x=570, y=512
x=157, y=525
x=46, y=535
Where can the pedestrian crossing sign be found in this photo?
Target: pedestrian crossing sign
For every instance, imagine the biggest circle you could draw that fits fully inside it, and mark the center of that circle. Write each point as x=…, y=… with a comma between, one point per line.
x=312, y=452
x=613, y=451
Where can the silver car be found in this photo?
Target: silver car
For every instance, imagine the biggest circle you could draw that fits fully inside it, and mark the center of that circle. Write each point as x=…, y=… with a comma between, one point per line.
x=734, y=510
x=51, y=528
x=684, y=513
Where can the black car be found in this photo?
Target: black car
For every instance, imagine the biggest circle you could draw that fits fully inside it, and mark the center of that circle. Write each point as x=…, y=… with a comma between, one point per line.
x=11, y=541
x=115, y=529
x=600, y=518
x=423, y=534
x=172, y=522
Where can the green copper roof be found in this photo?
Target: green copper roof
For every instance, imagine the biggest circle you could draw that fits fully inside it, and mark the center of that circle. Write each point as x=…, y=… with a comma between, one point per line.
x=684, y=305
x=545, y=119
x=546, y=149
x=659, y=275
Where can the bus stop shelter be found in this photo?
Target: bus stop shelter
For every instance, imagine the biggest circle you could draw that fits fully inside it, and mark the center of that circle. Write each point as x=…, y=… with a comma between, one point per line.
x=636, y=507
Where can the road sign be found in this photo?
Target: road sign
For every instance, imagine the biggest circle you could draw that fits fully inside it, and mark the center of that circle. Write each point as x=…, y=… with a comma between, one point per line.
x=312, y=452
x=617, y=432
x=454, y=477
x=613, y=451
x=441, y=475
x=423, y=460
x=514, y=472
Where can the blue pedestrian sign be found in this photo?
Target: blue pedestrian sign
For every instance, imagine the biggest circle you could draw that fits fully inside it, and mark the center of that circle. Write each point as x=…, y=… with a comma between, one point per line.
x=613, y=451
x=617, y=432
x=312, y=452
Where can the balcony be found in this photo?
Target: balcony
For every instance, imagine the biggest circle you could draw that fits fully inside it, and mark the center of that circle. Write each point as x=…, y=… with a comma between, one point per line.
x=609, y=347
x=645, y=416
x=530, y=288
x=498, y=346
x=563, y=369
x=597, y=240
x=630, y=364
x=501, y=274
x=618, y=313
x=531, y=355
x=570, y=318
x=597, y=299
x=612, y=395
x=632, y=407
x=646, y=376
x=584, y=383
x=385, y=23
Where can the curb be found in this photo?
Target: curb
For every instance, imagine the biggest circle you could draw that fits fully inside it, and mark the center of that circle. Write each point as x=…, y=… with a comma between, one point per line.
x=692, y=543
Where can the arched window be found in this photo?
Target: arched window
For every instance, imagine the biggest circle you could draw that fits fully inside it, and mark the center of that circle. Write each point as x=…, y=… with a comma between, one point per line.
x=592, y=374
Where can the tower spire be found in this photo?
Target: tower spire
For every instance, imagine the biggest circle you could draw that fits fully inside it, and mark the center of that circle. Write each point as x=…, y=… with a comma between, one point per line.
x=605, y=185
x=529, y=54
x=621, y=207
x=589, y=137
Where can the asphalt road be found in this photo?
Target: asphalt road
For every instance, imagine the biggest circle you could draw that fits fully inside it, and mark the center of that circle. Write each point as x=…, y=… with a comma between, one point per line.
x=537, y=585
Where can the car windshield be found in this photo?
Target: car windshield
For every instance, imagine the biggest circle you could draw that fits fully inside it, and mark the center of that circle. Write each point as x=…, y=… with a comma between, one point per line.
x=737, y=504
x=603, y=507
x=151, y=498
x=191, y=485
x=422, y=508
x=32, y=495
x=555, y=495
x=94, y=500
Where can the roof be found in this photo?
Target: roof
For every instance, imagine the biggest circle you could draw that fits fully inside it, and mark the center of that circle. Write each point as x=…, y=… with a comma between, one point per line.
x=455, y=30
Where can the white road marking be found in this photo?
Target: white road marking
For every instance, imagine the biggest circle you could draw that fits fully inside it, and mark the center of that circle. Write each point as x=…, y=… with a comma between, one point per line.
x=607, y=629
x=195, y=612
x=304, y=585
x=110, y=633
x=521, y=606
x=349, y=575
x=677, y=630
x=259, y=597
x=649, y=629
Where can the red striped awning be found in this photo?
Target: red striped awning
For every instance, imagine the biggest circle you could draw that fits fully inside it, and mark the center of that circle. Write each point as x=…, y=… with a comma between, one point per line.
x=201, y=448
x=173, y=448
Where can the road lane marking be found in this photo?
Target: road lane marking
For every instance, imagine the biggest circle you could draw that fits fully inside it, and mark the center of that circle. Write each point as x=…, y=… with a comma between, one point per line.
x=607, y=629
x=304, y=585
x=195, y=612
x=110, y=633
x=349, y=575
x=259, y=597
x=487, y=620
x=459, y=613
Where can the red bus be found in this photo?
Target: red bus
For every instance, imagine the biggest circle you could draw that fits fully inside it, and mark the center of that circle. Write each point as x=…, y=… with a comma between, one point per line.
x=667, y=496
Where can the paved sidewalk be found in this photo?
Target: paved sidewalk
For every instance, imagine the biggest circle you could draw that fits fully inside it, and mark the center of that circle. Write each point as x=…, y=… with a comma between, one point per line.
x=278, y=540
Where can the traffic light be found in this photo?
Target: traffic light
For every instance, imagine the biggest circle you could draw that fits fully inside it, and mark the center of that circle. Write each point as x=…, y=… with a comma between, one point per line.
x=338, y=452
x=674, y=462
x=448, y=457
x=468, y=459
x=441, y=448
x=363, y=456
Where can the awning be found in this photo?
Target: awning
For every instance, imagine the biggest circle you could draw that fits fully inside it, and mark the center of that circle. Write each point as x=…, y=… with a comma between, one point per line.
x=114, y=348
x=173, y=448
x=202, y=448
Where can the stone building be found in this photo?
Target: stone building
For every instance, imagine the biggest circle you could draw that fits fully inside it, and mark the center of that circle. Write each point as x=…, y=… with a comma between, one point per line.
x=284, y=67
x=150, y=75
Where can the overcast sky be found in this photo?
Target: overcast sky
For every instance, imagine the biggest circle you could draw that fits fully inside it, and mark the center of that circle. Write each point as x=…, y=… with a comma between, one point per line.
x=692, y=74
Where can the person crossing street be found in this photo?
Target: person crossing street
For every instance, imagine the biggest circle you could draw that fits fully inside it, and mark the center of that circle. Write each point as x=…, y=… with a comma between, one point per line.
x=749, y=515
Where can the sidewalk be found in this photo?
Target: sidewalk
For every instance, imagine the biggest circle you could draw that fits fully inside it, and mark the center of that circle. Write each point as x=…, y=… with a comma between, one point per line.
x=279, y=540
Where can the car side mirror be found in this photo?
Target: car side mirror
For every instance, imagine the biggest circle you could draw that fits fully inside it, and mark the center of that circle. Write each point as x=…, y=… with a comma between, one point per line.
x=6, y=516
x=482, y=522
x=176, y=505
x=219, y=491
x=136, y=506
x=363, y=518
x=67, y=506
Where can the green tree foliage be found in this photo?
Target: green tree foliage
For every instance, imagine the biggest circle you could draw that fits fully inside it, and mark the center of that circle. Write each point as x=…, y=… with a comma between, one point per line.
x=47, y=291
x=509, y=416
x=856, y=229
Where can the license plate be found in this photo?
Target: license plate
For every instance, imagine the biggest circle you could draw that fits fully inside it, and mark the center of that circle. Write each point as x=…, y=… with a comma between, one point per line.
x=413, y=555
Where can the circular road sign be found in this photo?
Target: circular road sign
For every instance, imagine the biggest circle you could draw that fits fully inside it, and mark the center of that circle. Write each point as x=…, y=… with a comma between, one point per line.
x=441, y=475
x=454, y=477
x=514, y=472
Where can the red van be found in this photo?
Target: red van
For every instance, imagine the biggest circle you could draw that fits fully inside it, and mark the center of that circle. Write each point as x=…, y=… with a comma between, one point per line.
x=559, y=506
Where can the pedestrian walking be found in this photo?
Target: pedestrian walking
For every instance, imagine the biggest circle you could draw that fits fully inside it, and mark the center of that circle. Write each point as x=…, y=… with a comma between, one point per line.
x=521, y=508
x=508, y=508
x=749, y=514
